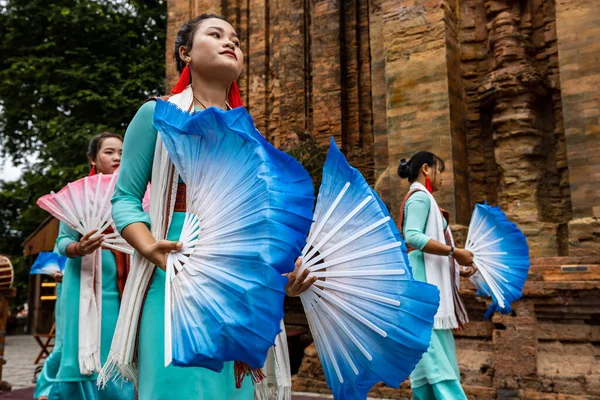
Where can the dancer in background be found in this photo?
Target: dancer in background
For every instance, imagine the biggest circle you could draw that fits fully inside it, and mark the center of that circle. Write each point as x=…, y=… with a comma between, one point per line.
x=71, y=384
x=434, y=260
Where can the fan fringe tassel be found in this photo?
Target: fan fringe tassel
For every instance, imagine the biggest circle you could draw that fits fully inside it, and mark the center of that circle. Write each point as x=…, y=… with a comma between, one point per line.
x=241, y=370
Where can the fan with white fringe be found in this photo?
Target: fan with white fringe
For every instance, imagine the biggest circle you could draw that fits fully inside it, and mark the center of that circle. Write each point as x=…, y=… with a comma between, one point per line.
x=48, y=263
x=84, y=205
x=501, y=256
x=248, y=213
x=370, y=320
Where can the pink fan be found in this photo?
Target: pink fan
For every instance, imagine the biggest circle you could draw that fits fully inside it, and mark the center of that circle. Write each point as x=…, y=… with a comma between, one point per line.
x=146, y=200
x=84, y=205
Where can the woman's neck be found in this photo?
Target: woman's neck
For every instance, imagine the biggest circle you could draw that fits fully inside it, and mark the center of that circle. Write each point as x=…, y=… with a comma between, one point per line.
x=420, y=179
x=209, y=93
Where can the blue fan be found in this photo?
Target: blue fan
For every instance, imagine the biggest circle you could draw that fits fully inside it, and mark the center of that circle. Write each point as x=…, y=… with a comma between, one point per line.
x=501, y=255
x=370, y=320
x=249, y=209
x=48, y=263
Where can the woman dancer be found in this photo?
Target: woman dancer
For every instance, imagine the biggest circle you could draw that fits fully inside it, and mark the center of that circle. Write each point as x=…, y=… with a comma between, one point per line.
x=207, y=53
x=435, y=260
x=71, y=384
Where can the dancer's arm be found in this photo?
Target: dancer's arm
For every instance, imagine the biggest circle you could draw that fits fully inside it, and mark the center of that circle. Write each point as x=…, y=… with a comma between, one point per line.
x=69, y=242
x=416, y=214
x=134, y=174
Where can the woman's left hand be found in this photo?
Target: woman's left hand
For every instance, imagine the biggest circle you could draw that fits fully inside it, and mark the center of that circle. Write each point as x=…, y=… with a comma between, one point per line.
x=297, y=284
x=58, y=276
x=467, y=272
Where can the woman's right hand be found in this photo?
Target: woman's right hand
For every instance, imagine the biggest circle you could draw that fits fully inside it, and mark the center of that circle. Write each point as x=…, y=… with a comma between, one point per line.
x=87, y=244
x=157, y=252
x=463, y=257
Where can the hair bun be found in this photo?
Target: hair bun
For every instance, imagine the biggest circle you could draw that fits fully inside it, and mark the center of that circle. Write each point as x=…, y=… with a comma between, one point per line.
x=403, y=169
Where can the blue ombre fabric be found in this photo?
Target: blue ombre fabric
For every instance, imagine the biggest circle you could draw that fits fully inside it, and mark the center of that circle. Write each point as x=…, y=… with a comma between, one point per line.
x=509, y=257
x=254, y=207
x=407, y=326
x=48, y=263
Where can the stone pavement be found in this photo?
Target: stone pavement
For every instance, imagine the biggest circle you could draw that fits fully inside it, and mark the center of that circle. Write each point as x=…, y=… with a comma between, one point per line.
x=19, y=353
x=21, y=350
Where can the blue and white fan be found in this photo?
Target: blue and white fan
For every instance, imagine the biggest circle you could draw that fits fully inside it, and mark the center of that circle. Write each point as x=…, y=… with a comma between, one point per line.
x=370, y=320
x=501, y=255
x=249, y=209
x=48, y=263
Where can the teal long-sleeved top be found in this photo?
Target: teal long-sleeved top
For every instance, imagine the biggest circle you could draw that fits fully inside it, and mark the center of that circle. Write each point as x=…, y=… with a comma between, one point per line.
x=157, y=382
x=416, y=212
x=135, y=172
x=438, y=366
x=69, y=364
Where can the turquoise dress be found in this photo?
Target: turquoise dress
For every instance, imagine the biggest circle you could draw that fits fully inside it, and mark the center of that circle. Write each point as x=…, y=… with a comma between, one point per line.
x=46, y=378
x=436, y=375
x=69, y=383
x=157, y=382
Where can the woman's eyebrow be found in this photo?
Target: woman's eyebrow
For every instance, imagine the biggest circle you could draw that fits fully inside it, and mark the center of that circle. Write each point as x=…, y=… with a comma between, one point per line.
x=218, y=28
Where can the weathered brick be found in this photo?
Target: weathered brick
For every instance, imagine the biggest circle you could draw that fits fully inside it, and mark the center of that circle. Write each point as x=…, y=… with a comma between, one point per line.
x=507, y=93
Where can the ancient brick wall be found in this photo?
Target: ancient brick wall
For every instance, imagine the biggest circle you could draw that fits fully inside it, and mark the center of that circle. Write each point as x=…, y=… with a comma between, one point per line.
x=515, y=133
x=579, y=66
x=508, y=93
x=479, y=82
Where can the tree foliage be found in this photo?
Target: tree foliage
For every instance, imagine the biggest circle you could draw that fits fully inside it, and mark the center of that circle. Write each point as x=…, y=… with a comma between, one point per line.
x=69, y=69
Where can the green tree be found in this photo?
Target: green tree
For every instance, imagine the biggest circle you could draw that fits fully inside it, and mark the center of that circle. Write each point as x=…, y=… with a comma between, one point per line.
x=69, y=69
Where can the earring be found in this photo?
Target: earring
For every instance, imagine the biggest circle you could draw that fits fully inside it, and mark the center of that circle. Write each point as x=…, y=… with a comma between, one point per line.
x=184, y=79
x=428, y=185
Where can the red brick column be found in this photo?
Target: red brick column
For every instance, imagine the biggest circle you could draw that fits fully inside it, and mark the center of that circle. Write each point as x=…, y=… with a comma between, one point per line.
x=579, y=56
x=423, y=94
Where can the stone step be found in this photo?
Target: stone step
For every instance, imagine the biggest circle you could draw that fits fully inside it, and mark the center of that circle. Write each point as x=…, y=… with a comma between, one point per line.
x=547, y=261
x=550, y=274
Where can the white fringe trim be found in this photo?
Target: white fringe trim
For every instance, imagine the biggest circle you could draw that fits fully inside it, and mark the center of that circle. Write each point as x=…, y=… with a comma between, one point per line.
x=88, y=363
x=448, y=322
x=266, y=391
x=113, y=371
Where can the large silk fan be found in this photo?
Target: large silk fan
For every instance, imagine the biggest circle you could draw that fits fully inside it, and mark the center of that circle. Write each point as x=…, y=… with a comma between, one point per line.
x=248, y=213
x=48, y=263
x=501, y=255
x=370, y=320
x=84, y=205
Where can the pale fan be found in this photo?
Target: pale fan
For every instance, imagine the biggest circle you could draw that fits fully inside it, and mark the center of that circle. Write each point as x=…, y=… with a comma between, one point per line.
x=248, y=213
x=370, y=320
x=84, y=205
x=501, y=255
x=48, y=263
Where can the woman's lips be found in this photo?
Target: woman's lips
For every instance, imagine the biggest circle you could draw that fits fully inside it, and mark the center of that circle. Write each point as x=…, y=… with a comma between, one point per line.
x=229, y=53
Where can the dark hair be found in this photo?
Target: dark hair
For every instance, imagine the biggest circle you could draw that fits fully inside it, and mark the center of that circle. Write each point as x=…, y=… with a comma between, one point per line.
x=97, y=140
x=410, y=170
x=185, y=36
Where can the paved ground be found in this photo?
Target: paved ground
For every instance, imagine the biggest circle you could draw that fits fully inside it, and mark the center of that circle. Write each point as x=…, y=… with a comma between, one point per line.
x=19, y=353
x=21, y=350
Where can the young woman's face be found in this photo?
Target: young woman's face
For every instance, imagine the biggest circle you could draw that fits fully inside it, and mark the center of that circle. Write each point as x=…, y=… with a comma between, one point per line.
x=108, y=158
x=215, y=50
x=436, y=179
